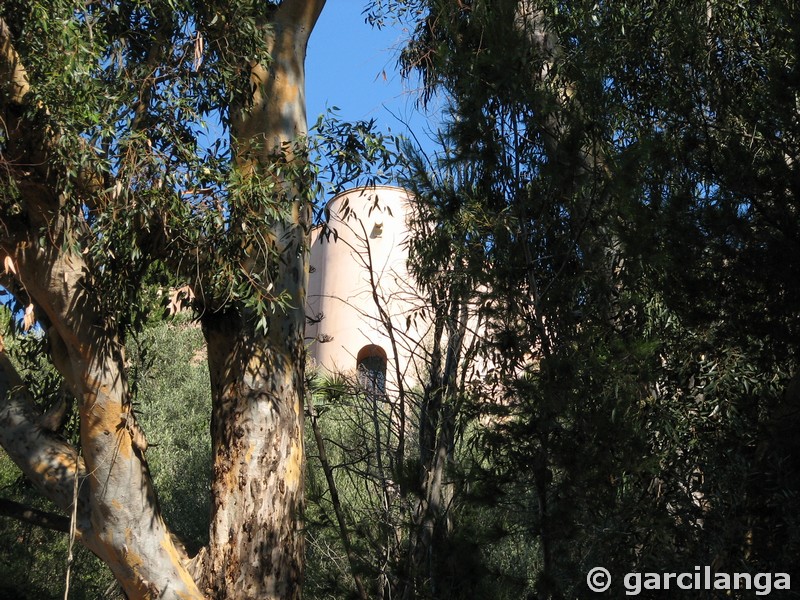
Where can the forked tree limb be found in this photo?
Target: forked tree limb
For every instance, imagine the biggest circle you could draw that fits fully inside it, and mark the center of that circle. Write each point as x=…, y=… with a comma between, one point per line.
x=46, y=459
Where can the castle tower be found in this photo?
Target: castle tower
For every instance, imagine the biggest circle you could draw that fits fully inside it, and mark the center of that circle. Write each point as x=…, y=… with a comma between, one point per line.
x=358, y=282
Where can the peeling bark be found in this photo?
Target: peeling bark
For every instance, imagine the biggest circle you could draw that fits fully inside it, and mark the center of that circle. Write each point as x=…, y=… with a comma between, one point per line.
x=256, y=547
x=46, y=459
x=119, y=518
x=256, y=541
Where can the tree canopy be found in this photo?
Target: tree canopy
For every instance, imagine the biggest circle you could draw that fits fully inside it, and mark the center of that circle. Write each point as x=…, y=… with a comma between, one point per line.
x=616, y=182
x=119, y=179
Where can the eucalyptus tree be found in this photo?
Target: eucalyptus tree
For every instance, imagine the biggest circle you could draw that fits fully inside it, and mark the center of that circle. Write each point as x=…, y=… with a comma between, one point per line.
x=117, y=176
x=632, y=194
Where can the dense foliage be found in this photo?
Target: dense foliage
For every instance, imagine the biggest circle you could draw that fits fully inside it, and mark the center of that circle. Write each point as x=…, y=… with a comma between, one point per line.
x=619, y=179
x=138, y=99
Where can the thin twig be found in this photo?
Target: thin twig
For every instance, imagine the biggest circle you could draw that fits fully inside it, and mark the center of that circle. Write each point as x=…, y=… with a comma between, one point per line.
x=72, y=527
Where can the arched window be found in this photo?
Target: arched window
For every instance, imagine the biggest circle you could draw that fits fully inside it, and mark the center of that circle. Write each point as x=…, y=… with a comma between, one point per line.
x=371, y=366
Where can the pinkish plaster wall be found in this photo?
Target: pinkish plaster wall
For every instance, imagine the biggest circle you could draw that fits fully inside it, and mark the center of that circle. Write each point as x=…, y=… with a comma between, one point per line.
x=370, y=230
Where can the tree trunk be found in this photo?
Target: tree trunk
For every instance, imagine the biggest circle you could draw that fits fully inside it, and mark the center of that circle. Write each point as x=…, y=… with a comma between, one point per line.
x=257, y=374
x=118, y=515
x=432, y=519
x=256, y=548
x=256, y=542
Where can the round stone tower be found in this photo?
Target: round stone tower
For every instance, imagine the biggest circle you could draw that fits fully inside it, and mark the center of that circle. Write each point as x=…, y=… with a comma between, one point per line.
x=359, y=288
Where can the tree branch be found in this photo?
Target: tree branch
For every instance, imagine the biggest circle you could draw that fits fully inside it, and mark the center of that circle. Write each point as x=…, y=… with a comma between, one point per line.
x=46, y=459
x=34, y=516
x=13, y=76
x=301, y=13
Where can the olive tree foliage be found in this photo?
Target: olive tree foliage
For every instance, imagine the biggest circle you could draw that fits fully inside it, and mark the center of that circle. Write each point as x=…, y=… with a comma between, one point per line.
x=624, y=175
x=161, y=144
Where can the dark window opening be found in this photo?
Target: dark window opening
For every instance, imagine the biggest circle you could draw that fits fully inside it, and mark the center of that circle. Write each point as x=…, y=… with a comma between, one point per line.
x=371, y=366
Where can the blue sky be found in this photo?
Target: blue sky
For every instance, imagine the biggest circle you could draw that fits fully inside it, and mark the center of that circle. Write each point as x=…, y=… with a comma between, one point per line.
x=353, y=66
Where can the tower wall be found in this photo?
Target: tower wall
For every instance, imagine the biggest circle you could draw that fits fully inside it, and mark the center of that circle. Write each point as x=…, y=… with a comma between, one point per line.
x=358, y=271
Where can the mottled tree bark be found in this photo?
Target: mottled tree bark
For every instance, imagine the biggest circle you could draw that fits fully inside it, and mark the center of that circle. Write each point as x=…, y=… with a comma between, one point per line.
x=256, y=542
x=256, y=546
x=118, y=515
